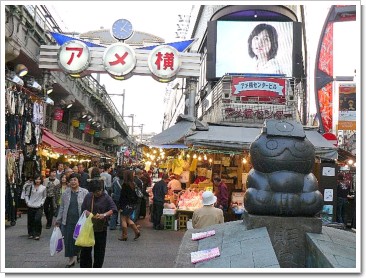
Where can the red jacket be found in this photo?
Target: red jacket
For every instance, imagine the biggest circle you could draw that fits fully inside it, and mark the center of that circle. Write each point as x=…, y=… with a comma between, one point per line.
x=222, y=195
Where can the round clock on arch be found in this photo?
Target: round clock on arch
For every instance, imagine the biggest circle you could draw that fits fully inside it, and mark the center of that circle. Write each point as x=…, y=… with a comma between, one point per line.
x=122, y=29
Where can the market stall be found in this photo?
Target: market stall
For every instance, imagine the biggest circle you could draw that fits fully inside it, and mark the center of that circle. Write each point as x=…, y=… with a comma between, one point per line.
x=195, y=168
x=23, y=135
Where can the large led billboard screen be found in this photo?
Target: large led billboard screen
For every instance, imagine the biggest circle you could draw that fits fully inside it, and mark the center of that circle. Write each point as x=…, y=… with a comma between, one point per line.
x=253, y=48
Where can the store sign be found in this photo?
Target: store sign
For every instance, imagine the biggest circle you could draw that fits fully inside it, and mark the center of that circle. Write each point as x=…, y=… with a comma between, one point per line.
x=263, y=90
x=164, y=63
x=74, y=57
x=119, y=60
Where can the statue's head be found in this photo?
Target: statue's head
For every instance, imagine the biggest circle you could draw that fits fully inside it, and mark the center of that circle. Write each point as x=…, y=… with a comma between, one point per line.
x=282, y=145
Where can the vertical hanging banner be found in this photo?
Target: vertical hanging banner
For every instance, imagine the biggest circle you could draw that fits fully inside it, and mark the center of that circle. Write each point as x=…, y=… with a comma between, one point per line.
x=325, y=90
x=75, y=123
x=58, y=114
x=323, y=80
x=347, y=106
x=87, y=128
x=82, y=126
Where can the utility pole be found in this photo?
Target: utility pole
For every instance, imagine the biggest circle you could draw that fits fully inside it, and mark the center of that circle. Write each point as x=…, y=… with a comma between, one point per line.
x=123, y=101
x=131, y=116
x=142, y=126
x=192, y=95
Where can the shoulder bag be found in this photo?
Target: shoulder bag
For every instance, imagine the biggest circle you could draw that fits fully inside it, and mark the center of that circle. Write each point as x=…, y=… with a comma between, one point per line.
x=98, y=224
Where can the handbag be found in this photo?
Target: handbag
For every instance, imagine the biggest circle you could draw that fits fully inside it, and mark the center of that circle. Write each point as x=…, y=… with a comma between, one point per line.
x=138, y=192
x=79, y=225
x=56, y=241
x=86, y=236
x=98, y=224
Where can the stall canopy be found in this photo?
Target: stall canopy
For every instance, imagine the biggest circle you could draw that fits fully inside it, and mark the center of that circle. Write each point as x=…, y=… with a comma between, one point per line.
x=235, y=137
x=57, y=144
x=65, y=147
x=173, y=137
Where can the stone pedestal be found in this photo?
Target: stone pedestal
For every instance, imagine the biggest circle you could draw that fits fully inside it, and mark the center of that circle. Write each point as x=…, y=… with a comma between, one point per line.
x=287, y=234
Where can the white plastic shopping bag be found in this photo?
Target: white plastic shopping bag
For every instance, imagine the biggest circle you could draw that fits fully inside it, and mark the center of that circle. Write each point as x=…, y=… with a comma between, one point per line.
x=78, y=225
x=56, y=241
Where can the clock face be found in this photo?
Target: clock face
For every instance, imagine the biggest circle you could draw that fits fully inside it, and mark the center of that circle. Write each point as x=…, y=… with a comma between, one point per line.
x=122, y=29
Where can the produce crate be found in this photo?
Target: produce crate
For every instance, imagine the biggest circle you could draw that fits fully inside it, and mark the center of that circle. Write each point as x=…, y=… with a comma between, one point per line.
x=169, y=222
x=182, y=221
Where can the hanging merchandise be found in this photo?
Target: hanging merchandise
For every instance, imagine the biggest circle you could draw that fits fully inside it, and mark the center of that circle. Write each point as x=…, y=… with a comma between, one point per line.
x=177, y=166
x=193, y=165
x=23, y=121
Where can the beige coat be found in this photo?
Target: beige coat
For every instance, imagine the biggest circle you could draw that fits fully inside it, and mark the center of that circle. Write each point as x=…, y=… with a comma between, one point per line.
x=207, y=216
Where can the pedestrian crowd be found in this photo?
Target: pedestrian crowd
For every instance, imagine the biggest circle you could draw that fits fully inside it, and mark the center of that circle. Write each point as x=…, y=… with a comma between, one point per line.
x=109, y=194
x=114, y=197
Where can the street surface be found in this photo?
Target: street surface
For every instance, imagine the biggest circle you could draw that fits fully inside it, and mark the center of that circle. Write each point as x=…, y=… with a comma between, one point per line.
x=154, y=249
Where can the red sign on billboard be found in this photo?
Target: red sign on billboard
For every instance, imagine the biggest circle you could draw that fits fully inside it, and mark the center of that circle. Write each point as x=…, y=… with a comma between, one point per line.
x=264, y=90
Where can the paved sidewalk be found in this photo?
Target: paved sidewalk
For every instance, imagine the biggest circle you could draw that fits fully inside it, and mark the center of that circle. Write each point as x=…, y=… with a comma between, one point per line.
x=154, y=249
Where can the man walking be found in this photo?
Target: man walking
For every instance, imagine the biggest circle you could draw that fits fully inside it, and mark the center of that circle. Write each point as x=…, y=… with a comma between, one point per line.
x=159, y=190
x=107, y=178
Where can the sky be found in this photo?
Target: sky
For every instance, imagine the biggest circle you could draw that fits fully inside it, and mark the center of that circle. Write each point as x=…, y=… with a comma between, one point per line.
x=144, y=96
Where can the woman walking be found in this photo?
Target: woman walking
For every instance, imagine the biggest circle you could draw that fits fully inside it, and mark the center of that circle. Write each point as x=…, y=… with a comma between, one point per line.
x=35, y=197
x=69, y=214
x=50, y=205
x=102, y=206
x=128, y=202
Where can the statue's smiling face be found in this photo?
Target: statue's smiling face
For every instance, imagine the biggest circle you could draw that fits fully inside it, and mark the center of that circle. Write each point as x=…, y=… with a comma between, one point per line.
x=276, y=153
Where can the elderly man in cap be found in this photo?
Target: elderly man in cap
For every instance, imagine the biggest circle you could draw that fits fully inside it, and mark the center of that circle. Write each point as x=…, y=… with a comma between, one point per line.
x=207, y=215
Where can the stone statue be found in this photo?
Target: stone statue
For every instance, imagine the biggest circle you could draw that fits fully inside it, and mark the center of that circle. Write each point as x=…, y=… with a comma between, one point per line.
x=281, y=182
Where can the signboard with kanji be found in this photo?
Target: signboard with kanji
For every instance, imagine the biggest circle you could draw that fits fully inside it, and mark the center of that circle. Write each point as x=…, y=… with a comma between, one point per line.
x=73, y=57
x=119, y=60
x=172, y=63
x=262, y=90
x=164, y=63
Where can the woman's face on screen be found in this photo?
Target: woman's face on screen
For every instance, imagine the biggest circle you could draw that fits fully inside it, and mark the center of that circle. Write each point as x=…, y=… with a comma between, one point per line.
x=261, y=44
